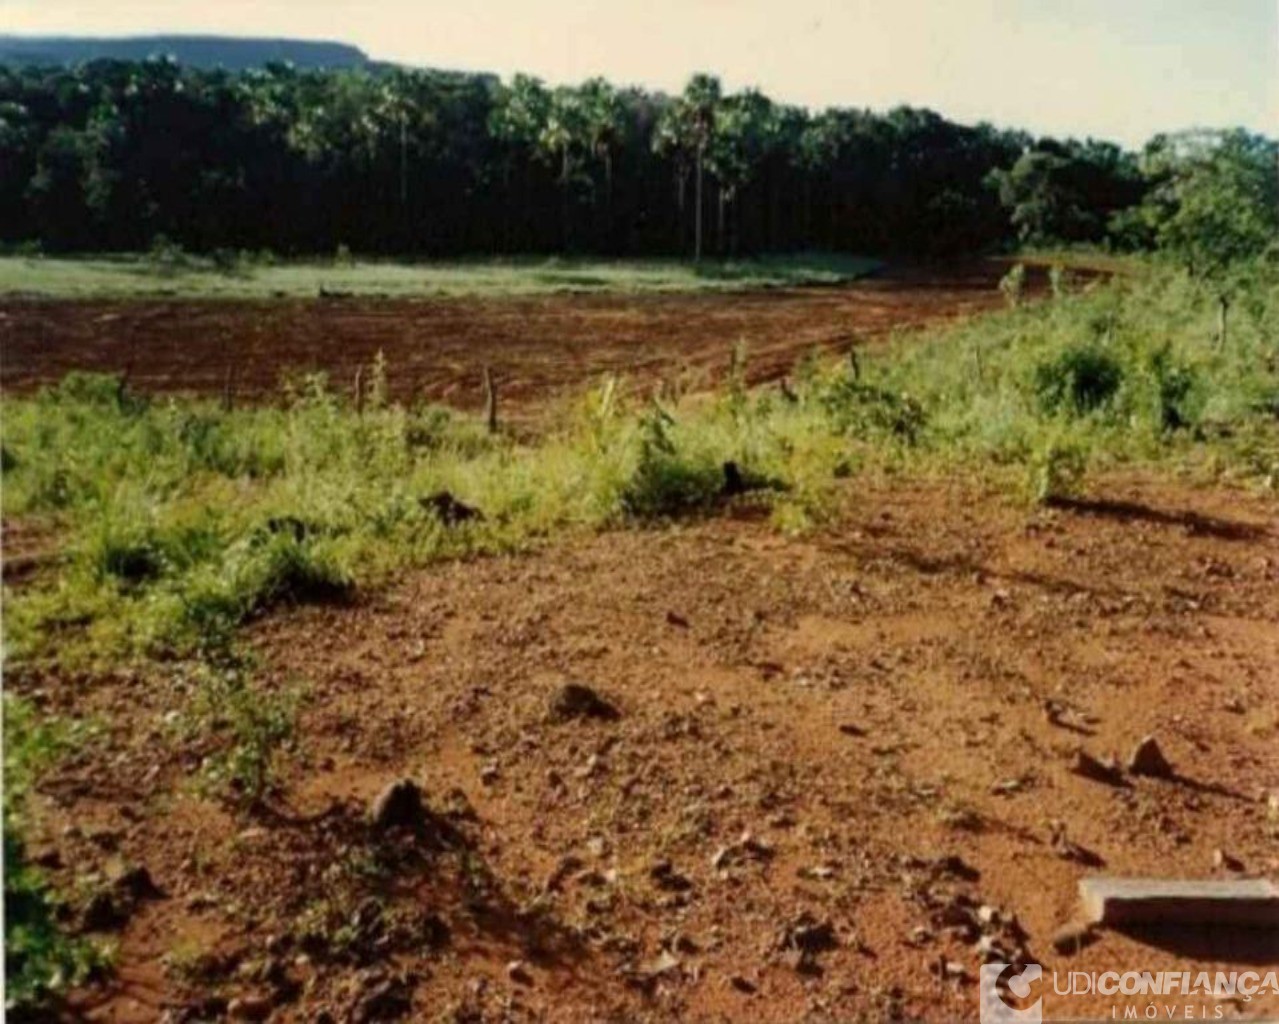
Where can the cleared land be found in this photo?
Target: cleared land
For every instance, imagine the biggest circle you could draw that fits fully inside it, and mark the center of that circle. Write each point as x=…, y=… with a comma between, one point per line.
x=832, y=762
x=872, y=707
x=539, y=347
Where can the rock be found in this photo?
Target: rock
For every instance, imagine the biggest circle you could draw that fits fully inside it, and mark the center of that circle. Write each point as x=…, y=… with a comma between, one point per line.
x=849, y=729
x=746, y=848
x=1223, y=861
x=665, y=876
x=249, y=1007
x=434, y=931
x=399, y=805
x=518, y=973
x=1088, y=767
x=104, y=912
x=954, y=866
x=575, y=701
x=448, y=510
x=677, y=620
x=665, y=963
x=1149, y=760
x=744, y=985
x=1067, y=849
x=489, y=774
x=1072, y=937
x=383, y=1000
x=811, y=936
x=136, y=884
x=566, y=866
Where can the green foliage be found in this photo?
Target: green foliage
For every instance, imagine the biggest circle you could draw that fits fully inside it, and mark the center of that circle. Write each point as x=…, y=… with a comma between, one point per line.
x=667, y=481
x=1177, y=387
x=1056, y=470
x=1067, y=191
x=1013, y=285
x=870, y=412
x=108, y=156
x=182, y=520
x=251, y=726
x=1079, y=380
x=40, y=960
x=1215, y=203
x=124, y=276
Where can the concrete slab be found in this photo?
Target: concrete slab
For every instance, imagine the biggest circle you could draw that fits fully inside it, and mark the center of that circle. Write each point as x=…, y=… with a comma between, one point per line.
x=1248, y=902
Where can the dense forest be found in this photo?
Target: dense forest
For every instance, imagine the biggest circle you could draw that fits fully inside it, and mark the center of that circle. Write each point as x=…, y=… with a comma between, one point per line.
x=112, y=155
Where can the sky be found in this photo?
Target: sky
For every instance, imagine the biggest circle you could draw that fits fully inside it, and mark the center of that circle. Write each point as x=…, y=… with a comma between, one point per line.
x=1115, y=69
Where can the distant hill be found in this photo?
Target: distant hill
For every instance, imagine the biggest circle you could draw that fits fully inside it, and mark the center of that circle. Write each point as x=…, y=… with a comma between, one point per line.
x=199, y=51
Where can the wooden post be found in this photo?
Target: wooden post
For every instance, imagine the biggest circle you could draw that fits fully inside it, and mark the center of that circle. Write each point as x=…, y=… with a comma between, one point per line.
x=358, y=391
x=490, y=401
x=1223, y=306
x=853, y=363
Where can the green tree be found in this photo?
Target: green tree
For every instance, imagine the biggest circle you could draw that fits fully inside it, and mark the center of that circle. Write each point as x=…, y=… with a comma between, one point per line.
x=744, y=132
x=1215, y=206
x=687, y=128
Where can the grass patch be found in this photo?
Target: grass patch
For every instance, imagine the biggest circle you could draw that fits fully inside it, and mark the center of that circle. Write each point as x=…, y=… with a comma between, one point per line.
x=246, y=276
x=183, y=520
x=40, y=959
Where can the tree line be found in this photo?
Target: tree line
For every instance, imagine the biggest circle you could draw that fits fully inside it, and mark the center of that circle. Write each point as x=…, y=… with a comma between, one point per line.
x=111, y=155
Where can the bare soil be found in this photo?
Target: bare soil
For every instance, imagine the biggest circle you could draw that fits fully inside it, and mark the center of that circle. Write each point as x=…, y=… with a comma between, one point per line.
x=538, y=348
x=837, y=763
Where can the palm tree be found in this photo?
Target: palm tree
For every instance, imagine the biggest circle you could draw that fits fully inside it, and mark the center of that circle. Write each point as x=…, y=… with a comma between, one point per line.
x=686, y=128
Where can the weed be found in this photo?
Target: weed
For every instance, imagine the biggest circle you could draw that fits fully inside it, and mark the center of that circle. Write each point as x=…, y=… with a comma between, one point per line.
x=40, y=959
x=1079, y=380
x=1056, y=471
x=1013, y=285
x=666, y=481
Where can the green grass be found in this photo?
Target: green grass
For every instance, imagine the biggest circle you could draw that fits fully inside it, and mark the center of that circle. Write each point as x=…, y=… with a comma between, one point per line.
x=246, y=277
x=40, y=959
x=180, y=520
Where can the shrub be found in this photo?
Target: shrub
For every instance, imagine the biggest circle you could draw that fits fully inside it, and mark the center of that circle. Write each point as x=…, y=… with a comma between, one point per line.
x=101, y=391
x=864, y=410
x=1078, y=380
x=251, y=725
x=40, y=960
x=665, y=482
x=1175, y=384
x=1057, y=471
x=1013, y=285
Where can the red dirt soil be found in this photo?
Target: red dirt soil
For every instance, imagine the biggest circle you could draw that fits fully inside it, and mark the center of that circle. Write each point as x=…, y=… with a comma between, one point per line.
x=538, y=348
x=870, y=729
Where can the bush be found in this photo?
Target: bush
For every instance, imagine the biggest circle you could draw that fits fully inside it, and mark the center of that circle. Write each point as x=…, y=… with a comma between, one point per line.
x=1175, y=383
x=1078, y=380
x=1013, y=285
x=865, y=410
x=40, y=960
x=1057, y=471
x=665, y=482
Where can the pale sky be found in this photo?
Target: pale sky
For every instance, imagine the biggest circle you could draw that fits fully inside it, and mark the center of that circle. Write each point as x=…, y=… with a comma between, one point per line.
x=1117, y=69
